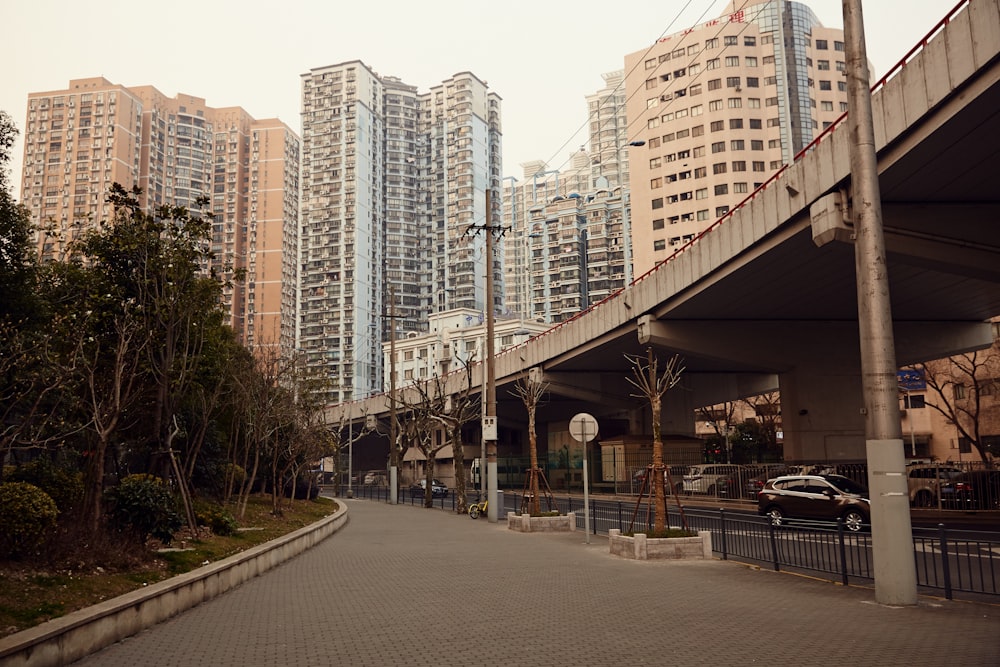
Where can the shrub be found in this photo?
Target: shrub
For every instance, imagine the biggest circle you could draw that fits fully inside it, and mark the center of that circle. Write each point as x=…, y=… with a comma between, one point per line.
x=218, y=519
x=26, y=514
x=63, y=486
x=140, y=506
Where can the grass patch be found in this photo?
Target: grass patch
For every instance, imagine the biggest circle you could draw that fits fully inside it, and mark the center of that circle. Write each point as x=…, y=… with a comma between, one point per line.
x=32, y=594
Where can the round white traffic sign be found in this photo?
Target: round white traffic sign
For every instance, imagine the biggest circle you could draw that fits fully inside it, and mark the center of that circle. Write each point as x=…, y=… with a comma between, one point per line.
x=583, y=427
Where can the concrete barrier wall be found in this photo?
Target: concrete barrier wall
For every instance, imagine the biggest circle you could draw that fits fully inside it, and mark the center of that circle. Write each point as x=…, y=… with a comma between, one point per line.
x=78, y=634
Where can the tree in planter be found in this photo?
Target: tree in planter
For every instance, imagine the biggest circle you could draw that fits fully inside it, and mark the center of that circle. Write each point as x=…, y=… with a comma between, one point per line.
x=653, y=385
x=531, y=393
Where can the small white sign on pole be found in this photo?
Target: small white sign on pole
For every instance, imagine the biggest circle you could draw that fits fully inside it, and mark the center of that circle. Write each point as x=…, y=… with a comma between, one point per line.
x=583, y=427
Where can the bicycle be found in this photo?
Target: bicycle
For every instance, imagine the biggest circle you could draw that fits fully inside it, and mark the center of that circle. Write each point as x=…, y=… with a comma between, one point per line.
x=478, y=507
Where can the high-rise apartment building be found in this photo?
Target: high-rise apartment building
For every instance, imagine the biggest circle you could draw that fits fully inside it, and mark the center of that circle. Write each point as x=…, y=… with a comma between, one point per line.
x=81, y=140
x=394, y=187
x=565, y=248
x=720, y=107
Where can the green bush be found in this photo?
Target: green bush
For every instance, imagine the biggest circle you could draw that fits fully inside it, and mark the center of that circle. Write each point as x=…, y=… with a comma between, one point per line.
x=140, y=506
x=219, y=520
x=26, y=514
x=63, y=486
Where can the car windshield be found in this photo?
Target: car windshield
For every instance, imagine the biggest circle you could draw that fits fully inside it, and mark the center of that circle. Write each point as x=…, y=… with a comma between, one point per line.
x=846, y=485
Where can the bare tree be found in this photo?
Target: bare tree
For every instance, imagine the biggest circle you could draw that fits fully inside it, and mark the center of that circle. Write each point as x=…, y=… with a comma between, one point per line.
x=721, y=418
x=531, y=394
x=456, y=410
x=653, y=385
x=767, y=409
x=958, y=386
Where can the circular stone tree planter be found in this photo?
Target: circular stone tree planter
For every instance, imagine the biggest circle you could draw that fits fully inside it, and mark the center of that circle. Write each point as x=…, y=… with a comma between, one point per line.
x=640, y=547
x=525, y=523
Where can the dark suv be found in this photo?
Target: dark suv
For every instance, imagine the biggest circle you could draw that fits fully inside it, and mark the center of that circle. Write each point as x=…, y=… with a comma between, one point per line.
x=822, y=497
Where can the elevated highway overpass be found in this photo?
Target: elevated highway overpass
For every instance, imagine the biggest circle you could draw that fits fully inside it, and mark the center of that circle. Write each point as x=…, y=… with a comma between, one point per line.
x=766, y=297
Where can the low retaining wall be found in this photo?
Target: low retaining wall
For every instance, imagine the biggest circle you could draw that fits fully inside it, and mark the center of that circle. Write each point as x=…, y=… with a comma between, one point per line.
x=78, y=634
x=525, y=523
x=641, y=547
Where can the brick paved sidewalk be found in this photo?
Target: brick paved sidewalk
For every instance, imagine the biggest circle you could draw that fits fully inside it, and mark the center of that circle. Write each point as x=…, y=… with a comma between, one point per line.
x=413, y=586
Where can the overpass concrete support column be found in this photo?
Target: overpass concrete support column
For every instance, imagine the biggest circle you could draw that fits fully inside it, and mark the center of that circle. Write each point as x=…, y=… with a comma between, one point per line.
x=821, y=412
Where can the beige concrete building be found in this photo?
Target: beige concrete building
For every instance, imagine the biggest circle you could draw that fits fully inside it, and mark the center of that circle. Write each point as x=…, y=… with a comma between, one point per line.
x=721, y=107
x=82, y=139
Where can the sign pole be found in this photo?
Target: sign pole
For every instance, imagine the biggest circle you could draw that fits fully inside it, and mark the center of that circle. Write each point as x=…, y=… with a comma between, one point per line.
x=583, y=427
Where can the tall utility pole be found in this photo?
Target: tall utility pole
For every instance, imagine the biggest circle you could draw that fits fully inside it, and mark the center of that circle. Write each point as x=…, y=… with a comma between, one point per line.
x=393, y=445
x=892, y=534
x=490, y=420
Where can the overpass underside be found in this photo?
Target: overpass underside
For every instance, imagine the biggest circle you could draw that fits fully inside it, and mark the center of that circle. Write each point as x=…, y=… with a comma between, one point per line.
x=766, y=299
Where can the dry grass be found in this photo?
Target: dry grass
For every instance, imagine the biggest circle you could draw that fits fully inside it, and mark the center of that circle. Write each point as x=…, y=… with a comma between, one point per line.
x=32, y=594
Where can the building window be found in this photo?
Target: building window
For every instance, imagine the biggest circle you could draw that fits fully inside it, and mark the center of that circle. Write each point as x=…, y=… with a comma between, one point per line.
x=825, y=85
x=730, y=40
x=698, y=130
x=702, y=215
x=655, y=183
x=735, y=102
x=826, y=106
x=958, y=391
x=696, y=110
x=732, y=82
x=722, y=189
x=732, y=61
x=714, y=63
x=838, y=46
x=714, y=84
x=735, y=123
x=749, y=40
x=739, y=165
x=737, y=145
x=700, y=172
x=655, y=163
x=650, y=83
x=660, y=244
x=740, y=188
x=719, y=168
x=699, y=151
x=658, y=223
x=657, y=203
x=653, y=122
x=822, y=64
x=721, y=211
x=712, y=43
x=753, y=82
x=719, y=147
x=756, y=144
x=651, y=63
x=701, y=193
x=821, y=44
x=715, y=105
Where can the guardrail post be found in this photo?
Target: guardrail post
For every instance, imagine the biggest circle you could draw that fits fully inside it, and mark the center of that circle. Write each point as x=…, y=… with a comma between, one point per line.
x=620, y=527
x=945, y=566
x=843, y=551
x=722, y=529
x=593, y=514
x=774, y=546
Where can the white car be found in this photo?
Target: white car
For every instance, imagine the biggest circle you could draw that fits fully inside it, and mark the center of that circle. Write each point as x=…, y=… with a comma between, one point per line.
x=704, y=478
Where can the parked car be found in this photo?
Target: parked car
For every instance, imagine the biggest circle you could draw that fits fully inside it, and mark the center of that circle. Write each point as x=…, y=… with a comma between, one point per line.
x=375, y=477
x=925, y=483
x=974, y=490
x=438, y=490
x=750, y=479
x=704, y=478
x=676, y=475
x=817, y=497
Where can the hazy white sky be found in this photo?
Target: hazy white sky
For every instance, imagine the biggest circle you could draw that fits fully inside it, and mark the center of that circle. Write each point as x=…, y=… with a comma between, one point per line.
x=541, y=56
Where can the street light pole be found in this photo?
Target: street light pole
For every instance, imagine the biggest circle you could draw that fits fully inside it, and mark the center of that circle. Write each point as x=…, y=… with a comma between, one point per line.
x=892, y=534
x=393, y=445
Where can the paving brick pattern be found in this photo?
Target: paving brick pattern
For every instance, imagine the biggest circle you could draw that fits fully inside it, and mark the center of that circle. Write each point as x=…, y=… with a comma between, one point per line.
x=414, y=586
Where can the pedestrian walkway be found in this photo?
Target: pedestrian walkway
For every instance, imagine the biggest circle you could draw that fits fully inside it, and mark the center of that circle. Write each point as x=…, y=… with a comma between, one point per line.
x=413, y=586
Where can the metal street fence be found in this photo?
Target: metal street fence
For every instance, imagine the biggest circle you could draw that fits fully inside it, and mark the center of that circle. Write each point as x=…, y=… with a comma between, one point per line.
x=949, y=562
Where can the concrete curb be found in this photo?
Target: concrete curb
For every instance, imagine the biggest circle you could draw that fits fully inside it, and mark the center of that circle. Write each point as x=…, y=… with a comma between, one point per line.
x=78, y=634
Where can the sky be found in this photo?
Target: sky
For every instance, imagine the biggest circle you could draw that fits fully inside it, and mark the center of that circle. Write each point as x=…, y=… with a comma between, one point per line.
x=543, y=57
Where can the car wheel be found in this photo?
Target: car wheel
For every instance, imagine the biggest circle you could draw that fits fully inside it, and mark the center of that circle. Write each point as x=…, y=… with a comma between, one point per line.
x=924, y=499
x=854, y=520
x=775, y=516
